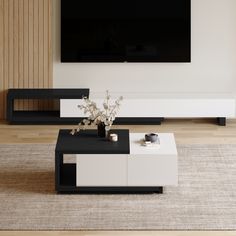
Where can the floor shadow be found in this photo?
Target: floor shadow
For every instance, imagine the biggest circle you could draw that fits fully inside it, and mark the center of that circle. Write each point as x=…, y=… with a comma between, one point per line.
x=27, y=181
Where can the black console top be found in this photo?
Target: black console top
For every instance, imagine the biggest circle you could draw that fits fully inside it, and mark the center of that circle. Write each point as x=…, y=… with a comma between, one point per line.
x=48, y=93
x=87, y=142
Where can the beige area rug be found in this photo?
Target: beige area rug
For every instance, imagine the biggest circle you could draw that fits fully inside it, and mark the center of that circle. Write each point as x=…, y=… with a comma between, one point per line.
x=204, y=200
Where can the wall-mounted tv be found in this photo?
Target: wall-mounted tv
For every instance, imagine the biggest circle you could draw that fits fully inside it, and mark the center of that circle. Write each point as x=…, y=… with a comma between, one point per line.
x=125, y=30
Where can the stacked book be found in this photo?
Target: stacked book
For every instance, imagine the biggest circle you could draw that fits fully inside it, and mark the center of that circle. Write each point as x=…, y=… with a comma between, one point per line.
x=151, y=144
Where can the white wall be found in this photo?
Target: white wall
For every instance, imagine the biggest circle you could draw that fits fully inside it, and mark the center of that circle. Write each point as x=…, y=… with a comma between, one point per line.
x=213, y=67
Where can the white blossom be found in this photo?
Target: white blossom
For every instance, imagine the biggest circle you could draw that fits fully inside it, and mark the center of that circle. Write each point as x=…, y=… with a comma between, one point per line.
x=96, y=115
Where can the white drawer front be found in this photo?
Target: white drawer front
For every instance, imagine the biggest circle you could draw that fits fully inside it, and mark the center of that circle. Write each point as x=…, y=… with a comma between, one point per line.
x=152, y=170
x=101, y=170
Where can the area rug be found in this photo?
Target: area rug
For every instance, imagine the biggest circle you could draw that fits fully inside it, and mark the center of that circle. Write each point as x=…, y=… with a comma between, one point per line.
x=204, y=200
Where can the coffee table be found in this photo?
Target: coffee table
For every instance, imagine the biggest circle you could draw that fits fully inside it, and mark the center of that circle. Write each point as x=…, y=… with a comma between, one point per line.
x=122, y=167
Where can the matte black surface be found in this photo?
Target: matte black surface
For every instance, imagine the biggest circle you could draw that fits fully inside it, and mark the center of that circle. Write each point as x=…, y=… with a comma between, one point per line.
x=221, y=121
x=126, y=30
x=114, y=190
x=88, y=142
x=68, y=176
x=138, y=121
x=41, y=117
x=47, y=93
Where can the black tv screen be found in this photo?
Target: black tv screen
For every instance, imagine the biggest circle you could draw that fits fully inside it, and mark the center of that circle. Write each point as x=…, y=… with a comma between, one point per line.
x=125, y=30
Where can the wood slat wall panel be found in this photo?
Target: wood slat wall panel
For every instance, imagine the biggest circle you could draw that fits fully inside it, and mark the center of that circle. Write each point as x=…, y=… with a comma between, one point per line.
x=25, y=49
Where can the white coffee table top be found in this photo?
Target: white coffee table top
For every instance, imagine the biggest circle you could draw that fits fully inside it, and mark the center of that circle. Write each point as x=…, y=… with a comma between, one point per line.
x=167, y=145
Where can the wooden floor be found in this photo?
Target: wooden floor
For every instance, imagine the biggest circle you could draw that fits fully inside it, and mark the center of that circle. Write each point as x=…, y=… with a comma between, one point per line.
x=196, y=131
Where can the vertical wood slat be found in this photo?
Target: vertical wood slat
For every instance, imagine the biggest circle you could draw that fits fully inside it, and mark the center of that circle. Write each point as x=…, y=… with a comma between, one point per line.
x=1, y=56
x=21, y=49
x=11, y=44
x=25, y=48
x=50, y=59
x=31, y=49
x=16, y=44
x=36, y=47
x=46, y=23
x=40, y=39
x=5, y=54
x=16, y=47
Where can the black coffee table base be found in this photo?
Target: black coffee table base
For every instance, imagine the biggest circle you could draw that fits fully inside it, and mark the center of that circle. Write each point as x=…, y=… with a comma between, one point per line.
x=115, y=190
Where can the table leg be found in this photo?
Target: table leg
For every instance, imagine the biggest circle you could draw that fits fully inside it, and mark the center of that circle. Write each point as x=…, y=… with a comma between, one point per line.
x=58, y=166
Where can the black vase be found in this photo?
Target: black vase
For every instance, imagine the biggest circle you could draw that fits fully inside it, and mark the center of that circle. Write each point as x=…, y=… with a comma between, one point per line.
x=101, y=127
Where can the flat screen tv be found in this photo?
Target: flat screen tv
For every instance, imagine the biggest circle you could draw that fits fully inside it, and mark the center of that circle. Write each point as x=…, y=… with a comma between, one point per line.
x=125, y=30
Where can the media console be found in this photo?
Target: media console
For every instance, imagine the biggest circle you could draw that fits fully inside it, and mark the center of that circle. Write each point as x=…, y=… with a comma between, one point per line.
x=135, y=109
x=151, y=110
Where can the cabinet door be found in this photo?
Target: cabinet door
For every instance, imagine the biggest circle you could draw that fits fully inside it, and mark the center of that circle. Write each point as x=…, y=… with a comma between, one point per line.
x=101, y=170
x=151, y=170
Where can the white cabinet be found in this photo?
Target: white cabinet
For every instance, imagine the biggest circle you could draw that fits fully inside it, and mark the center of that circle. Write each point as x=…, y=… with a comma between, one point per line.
x=144, y=166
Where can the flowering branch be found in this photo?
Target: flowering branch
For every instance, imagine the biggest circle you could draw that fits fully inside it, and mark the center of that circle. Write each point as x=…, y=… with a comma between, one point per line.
x=96, y=115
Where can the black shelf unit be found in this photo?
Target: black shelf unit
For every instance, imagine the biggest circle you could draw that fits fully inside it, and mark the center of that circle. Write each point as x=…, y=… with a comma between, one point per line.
x=41, y=117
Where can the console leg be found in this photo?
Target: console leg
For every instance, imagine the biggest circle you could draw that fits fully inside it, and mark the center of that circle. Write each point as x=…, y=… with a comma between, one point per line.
x=221, y=121
x=159, y=190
